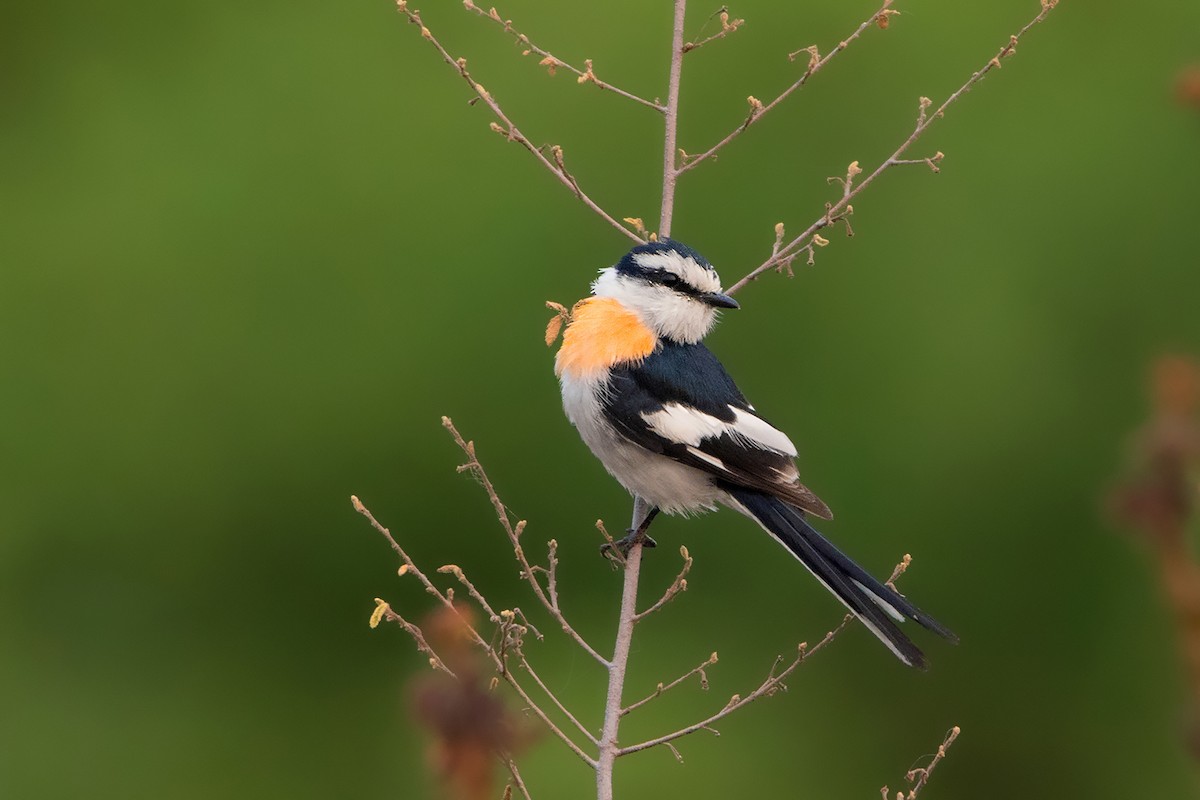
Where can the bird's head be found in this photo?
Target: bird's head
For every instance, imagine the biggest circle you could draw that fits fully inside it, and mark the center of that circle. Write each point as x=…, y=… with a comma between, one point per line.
x=670, y=286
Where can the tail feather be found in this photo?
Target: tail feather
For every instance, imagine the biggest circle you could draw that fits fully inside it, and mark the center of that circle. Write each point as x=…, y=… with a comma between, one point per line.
x=876, y=605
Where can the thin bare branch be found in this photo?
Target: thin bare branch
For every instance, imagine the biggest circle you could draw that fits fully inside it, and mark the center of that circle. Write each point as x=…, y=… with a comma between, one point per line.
x=525, y=665
x=837, y=211
x=608, y=749
x=663, y=688
x=508, y=126
x=518, y=781
x=728, y=26
x=447, y=600
x=385, y=611
x=514, y=537
x=772, y=684
x=551, y=61
x=815, y=64
x=670, y=173
x=678, y=585
x=921, y=774
x=456, y=571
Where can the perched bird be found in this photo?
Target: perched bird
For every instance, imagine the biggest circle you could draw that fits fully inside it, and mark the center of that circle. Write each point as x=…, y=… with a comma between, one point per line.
x=660, y=412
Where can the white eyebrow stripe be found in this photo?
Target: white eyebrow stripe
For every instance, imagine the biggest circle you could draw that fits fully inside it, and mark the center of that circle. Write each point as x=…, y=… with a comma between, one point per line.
x=703, y=279
x=689, y=426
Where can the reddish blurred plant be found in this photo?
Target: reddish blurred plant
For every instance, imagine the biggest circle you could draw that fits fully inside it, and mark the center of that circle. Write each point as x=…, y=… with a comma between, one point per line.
x=1187, y=87
x=470, y=724
x=1157, y=500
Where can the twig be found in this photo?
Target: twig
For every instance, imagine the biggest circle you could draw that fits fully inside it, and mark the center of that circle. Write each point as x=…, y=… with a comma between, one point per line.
x=447, y=600
x=456, y=571
x=616, y=671
x=678, y=585
x=510, y=129
x=835, y=212
x=384, y=611
x=525, y=665
x=757, y=110
x=514, y=537
x=670, y=173
x=518, y=781
x=551, y=61
x=921, y=774
x=772, y=683
x=728, y=26
x=663, y=688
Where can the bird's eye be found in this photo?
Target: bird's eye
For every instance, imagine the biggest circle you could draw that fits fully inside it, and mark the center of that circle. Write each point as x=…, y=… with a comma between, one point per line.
x=669, y=279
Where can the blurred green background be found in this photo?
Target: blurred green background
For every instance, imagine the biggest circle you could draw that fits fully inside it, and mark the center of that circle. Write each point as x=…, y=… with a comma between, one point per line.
x=251, y=253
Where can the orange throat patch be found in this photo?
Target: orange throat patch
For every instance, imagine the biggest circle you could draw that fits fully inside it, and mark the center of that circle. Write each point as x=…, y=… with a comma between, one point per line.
x=602, y=333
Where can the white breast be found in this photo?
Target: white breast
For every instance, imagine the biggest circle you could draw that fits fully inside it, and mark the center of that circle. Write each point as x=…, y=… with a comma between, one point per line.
x=673, y=487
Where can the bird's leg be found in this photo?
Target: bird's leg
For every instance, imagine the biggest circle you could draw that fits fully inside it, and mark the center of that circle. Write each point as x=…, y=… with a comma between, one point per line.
x=633, y=535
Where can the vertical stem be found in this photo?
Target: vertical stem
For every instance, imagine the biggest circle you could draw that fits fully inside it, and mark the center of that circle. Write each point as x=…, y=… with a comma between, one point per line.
x=670, y=173
x=616, y=670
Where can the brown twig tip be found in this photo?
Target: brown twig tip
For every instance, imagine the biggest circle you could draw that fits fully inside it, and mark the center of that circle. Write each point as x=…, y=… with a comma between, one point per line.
x=588, y=75
x=814, y=57
x=728, y=26
x=919, y=776
x=899, y=570
x=357, y=504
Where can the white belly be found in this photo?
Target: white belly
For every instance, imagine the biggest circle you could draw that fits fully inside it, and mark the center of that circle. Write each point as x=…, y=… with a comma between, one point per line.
x=663, y=482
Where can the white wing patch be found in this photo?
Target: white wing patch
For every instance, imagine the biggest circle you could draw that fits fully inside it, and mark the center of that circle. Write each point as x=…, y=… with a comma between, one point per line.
x=687, y=425
x=684, y=424
x=716, y=462
x=760, y=432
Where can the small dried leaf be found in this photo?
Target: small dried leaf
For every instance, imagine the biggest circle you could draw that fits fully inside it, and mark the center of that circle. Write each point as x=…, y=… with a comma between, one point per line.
x=554, y=327
x=380, y=609
x=819, y=240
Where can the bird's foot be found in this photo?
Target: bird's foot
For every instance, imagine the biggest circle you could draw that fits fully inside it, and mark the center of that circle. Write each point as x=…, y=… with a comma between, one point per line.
x=618, y=550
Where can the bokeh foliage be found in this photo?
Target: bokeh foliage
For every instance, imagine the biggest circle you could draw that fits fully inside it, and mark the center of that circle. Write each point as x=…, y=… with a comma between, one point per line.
x=251, y=253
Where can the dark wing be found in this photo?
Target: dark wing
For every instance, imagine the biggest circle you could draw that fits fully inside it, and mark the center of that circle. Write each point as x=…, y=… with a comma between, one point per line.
x=680, y=402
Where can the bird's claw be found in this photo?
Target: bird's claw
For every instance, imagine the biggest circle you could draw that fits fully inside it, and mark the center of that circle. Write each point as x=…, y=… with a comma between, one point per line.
x=618, y=550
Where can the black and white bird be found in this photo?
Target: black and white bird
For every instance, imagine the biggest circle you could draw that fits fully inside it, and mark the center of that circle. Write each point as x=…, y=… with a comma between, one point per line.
x=666, y=420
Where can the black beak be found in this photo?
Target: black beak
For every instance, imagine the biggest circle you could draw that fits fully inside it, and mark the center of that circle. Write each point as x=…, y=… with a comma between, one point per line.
x=719, y=300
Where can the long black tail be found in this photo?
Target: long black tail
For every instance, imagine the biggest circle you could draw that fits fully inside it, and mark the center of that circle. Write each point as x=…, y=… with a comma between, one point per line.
x=879, y=607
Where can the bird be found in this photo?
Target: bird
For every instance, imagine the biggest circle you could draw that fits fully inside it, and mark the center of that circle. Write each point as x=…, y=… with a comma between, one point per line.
x=659, y=411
